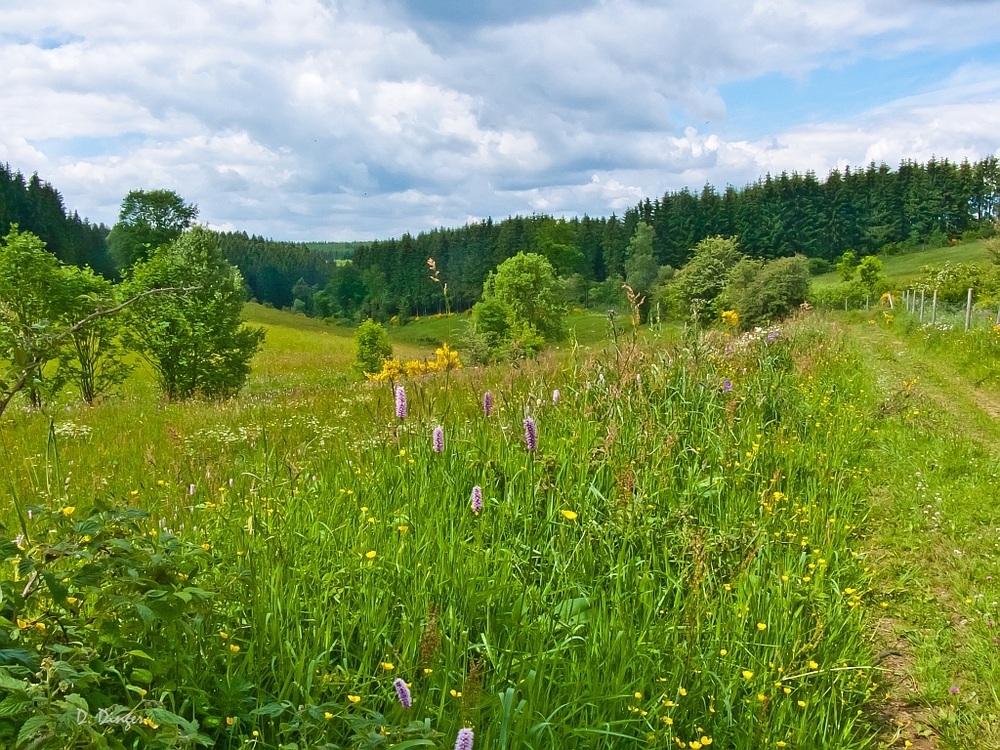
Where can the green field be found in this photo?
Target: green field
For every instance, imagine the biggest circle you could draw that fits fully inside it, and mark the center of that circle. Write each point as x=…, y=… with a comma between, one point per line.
x=904, y=268
x=781, y=540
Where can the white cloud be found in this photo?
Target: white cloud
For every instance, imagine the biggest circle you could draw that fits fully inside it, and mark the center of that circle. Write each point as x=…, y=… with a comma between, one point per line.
x=326, y=119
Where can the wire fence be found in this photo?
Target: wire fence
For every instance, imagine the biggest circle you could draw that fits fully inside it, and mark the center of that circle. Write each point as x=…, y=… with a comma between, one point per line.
x=925, y=306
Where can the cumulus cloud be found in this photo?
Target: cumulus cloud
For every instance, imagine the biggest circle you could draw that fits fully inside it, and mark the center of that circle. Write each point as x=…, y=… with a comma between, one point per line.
x=327, y=119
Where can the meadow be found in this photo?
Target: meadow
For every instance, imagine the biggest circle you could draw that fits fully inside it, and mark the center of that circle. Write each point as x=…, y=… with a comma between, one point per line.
x=662, y=540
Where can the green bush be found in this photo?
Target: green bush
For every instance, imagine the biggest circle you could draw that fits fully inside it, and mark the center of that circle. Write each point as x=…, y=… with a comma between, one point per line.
x=371, y=347
x=765, y=291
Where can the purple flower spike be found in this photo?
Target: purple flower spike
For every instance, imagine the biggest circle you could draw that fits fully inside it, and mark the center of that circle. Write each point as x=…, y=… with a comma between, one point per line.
x=530, y=435
x=403, y=692
x=464, y=739
x=487, y=403
x=438, y=439
x=477, y=499
x=400, y=402
x=727, y=385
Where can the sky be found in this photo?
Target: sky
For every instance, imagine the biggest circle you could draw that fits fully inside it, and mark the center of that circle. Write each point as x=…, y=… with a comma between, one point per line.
x=363, y=119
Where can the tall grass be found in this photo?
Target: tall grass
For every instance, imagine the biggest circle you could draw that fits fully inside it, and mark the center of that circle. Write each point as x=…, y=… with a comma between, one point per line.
x=674, y=566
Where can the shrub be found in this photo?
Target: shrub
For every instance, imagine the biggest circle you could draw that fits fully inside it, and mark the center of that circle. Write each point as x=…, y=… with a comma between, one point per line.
x=764, y=291
x=371, y=348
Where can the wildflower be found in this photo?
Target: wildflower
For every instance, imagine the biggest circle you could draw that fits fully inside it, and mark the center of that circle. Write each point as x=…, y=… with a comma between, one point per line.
x=327, y=715
x=354, y=698
x=747, y=674
x=773, y=335
x=388, y=666
x=370, y=554
x=761, y=626
x=400, y=402
x=569, y=515
x=190, y=489
x=555, y=396
x=403, y=692
x=730, y=318
x=464, y=739
x=234, y=648
x=477, y=499
x=727, y=385
x=813, y=665
x=438, y=439
x=953, y=690
x=487, y=403
x=530, y=435
x=68, y=510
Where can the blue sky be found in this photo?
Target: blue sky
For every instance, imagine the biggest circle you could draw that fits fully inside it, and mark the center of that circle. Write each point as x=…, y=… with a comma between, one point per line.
x=351, y=119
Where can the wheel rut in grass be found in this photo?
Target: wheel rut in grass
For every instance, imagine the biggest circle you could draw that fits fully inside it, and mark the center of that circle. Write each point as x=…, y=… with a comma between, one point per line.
x=919, y=710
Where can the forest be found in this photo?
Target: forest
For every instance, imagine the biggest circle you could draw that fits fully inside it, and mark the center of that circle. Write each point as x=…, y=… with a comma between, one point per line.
x=870, y=210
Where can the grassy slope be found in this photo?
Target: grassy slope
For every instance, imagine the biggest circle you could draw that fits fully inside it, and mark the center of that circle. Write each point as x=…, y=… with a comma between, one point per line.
x=904, y=268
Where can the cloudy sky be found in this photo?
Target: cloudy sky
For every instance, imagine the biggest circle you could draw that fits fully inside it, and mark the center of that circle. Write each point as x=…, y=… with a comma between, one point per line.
x=358, y=119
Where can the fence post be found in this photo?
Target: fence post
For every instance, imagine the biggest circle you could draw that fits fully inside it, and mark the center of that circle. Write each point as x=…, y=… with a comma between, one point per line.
x=891, y=306
x=921, y=305
x=968, y=311
x=868, y=302
x=934, y=309
x=998, y=316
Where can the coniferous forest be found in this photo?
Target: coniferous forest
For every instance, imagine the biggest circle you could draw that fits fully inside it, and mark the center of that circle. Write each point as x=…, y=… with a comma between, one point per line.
x=876, y=209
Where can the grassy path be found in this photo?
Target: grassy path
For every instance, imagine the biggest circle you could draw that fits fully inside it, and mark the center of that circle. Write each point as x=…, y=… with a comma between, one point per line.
x=936, y=546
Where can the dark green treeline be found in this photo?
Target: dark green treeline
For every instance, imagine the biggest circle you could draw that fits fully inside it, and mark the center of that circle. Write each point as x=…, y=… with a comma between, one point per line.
x=876, y=209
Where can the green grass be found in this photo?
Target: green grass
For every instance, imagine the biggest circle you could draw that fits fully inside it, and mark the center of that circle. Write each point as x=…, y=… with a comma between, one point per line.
x=678, y=560
x=902, y=269
x=674, y=562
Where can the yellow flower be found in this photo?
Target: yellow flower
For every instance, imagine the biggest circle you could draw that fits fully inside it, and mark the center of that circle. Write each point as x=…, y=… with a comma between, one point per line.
x=813, y=665
x=354, y=698
x=761, y=626
x=68, y=510
x=403, y=529
x=229, y=721
x=682, y=691
x=371, y=554
x=730, y=318
x=569, y=515
x=802, y=704
x=455, y=693
x=747, y=674
x=327, y=715
x=388, y=666
x=723, y=652
x=668, y=721
x=234, y=648
x=223, y=634
x=150, y=723
x=638, y=696
x=706, y=740
x=206, y=546
x=71, y=600
x=427, y=670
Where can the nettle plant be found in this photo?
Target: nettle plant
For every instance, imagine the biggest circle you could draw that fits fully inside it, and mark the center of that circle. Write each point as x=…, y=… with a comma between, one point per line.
x=99, y=621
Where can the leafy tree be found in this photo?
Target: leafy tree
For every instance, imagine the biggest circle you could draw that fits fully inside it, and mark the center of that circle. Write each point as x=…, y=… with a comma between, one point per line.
x=527, y=286
x=371, y=347
x=765, y=291
x=93, y=358
x=35, y=301
x=704, y=276
x=847, y=265
x=641, y=268
x=196, y=342
x=870, y=273
x=147, y=220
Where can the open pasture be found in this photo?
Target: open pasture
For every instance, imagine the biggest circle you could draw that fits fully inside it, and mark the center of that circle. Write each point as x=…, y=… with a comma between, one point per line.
x=672, y=562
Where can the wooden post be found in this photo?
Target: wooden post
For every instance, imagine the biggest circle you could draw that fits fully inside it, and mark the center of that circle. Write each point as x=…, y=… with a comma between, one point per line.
x=998, y=316
x=934, y=308
x=891, y=306
x=868, y=302
x=845, y=304
x=968, y=311
x=921, y=305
